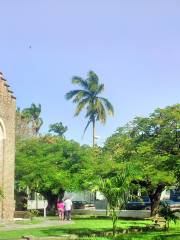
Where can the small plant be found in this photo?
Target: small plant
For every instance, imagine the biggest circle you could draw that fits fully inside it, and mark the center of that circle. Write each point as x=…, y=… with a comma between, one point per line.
x=168, y=214
x=116, y=191
x=33, y=213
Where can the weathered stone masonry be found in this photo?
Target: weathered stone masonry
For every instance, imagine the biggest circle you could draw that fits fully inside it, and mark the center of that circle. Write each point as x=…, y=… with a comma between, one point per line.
x=7, y=149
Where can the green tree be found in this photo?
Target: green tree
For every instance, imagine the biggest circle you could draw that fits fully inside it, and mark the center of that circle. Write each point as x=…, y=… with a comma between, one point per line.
x=58, y=129
x=33, y=114
x=88, y=97
x=50, y=165
x=151, y=144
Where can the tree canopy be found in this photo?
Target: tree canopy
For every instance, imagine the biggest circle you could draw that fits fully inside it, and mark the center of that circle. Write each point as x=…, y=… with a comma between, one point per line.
x=58, y=128
x=50, y=165
x=152, y=145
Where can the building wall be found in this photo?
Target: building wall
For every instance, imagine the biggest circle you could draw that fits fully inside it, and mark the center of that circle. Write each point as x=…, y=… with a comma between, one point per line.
x=7, y=149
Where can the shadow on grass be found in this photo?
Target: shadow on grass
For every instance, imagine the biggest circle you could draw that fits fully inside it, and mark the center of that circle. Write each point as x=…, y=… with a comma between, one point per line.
x=89, y=233
x=137, y=237
x=154, y=235
x=133, y=223
x=78, y=231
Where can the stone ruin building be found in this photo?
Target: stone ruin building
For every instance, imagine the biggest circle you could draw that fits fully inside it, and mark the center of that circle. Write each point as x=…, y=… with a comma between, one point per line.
x=7, y=150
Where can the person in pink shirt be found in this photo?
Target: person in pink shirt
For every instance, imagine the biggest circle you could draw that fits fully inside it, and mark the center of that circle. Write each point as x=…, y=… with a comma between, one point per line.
x=60, y=208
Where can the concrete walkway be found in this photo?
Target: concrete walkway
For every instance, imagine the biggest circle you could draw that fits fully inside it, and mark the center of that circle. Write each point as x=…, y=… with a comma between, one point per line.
x=43, y=224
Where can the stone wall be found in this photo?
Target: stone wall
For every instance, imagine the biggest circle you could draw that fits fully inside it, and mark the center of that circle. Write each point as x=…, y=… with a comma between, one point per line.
x=7, y=149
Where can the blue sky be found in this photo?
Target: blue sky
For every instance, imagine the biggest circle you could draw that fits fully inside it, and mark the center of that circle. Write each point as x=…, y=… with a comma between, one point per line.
x=134, y=47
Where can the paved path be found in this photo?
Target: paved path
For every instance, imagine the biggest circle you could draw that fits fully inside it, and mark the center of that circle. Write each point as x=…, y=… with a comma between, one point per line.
x=43, y=224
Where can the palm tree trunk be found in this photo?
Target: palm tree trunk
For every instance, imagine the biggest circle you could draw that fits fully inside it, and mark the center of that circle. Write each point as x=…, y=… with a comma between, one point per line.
x=94, y=132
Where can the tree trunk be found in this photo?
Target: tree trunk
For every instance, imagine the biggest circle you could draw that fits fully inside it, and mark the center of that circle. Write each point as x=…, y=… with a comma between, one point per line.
x=94, y=132
x=52, y=199
x=154, y=194
x=114, y=220
x=155, y=199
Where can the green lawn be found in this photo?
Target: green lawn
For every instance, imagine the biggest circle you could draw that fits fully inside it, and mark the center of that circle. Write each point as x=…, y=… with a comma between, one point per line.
x=84, y=227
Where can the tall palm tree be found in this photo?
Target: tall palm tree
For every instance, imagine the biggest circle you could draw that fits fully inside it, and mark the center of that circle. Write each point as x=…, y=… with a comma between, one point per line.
x=88, y=97
x=33, y=114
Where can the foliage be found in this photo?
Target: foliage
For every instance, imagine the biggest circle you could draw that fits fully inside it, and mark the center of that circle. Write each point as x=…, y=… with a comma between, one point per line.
x=24, y=128
x=88, y=98
x=50, y=165
x=33, y=114
x=152, y=145
x=33, y=213
x=168, y=214
x=116, y=191
x=58, y=129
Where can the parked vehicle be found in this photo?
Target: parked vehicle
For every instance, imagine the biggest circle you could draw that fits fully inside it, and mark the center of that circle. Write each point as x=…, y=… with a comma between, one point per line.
x=82, y=205
x=175, y=195
x=142, y=203
x=78, y=204
x=173, y=204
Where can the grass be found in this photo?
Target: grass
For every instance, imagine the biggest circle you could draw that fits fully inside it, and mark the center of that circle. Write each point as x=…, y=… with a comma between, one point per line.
x=84, y=227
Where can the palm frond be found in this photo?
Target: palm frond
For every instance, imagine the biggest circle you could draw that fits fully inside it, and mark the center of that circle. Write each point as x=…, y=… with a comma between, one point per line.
x=80, y=95
x=40, y=122
x=90, y=110
x=108, y=105
x=71, y=94
x=90, y=120
x=92, y=76
x=26, y=113
x=35, y=110
x=101, y=111
x=100, y=89
x=78, y=80
x=80, y=106
x=93, y=82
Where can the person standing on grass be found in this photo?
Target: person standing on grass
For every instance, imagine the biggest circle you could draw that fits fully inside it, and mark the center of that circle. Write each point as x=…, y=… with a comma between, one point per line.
x=60, y=208
x=68, y=207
